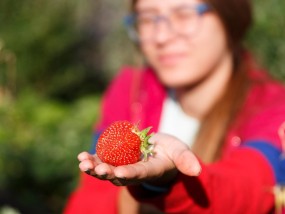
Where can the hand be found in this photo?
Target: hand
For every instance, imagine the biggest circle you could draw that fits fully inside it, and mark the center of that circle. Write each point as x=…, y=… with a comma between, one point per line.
x=170, y=155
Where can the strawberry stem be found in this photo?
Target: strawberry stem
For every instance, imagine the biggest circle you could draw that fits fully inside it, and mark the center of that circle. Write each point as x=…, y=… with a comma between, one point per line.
x=145, y=147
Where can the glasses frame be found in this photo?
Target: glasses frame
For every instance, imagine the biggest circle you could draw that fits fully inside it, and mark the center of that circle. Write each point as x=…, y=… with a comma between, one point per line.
x=130, y=20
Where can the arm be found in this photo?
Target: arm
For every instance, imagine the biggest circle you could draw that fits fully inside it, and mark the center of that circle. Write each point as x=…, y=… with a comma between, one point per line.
x=241, y=182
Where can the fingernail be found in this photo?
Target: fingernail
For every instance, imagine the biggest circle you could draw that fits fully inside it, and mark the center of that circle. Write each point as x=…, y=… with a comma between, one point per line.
x=199, y=171
x=104, y=176
x=122, y=178
x=88, y=171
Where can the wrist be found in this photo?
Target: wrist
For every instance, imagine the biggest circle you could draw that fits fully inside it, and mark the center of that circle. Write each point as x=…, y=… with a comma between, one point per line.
x=154, y=188
x=161, y=185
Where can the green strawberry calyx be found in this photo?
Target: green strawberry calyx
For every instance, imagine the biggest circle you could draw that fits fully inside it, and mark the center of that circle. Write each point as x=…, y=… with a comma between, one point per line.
x=146, y=147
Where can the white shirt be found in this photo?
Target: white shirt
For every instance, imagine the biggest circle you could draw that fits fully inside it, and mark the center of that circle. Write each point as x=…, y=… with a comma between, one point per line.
x=175, y=122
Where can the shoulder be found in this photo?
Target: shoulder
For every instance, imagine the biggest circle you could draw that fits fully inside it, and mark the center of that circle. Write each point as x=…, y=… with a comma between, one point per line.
x=122, y=92
x=123, y=76
x=134, y=79
x=264, y=111
x=121, y=82
x=127, y=74
x=266, y=95
x=117, y=97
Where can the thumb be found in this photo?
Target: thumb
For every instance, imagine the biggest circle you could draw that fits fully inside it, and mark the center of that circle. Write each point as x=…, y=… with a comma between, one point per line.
x=180, y=154
x=186, y=162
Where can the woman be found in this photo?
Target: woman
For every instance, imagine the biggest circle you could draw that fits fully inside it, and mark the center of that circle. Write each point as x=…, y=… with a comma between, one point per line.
x=200, y=89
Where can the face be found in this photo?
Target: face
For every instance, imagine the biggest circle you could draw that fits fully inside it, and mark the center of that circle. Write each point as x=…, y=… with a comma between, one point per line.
x=183, y=60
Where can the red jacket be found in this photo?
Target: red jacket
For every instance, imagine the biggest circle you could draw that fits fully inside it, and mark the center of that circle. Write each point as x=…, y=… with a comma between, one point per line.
x=241, y=182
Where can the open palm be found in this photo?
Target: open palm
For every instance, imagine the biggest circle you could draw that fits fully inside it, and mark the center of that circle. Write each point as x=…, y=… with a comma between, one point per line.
x=170, y=155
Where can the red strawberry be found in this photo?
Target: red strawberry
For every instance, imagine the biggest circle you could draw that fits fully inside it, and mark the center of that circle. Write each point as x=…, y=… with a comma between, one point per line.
x=122, y=143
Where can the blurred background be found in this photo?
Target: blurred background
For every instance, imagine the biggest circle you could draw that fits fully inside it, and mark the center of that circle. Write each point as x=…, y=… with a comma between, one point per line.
x=56, y=58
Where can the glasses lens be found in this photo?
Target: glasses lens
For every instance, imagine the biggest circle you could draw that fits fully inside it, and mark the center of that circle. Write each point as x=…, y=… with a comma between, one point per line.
x=182, y=21
x=145, y=26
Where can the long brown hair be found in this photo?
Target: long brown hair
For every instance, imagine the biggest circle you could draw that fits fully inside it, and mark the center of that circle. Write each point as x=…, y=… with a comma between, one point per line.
x=236, y=16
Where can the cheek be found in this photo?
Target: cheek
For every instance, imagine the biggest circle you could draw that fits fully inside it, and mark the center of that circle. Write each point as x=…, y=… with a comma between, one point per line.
x=213, y=40
x=190, y=70
x=148, y=51
x=209, y=49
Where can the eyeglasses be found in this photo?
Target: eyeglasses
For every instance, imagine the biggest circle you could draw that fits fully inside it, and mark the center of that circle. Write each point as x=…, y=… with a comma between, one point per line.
x=184, y=21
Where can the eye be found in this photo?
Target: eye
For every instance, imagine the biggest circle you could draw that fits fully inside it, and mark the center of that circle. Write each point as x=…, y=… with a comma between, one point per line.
x=145, y=19
x=184, y=13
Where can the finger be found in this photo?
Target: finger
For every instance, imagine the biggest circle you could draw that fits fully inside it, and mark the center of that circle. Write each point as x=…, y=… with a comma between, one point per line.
x=186, y=162
x=179, y=153
x=153, y=167
x=131, y=171
x=96, y=159
x=119, y=182
x=93, y=173
x=86, y=165
x=105, y=171
x=84, y=156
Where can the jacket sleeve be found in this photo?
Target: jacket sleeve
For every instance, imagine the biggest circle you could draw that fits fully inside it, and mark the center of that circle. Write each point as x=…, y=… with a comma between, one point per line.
x=240, y=183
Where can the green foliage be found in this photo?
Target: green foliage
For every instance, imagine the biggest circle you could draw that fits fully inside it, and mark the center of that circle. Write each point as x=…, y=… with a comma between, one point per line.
x=39, y=142
x=267, y=35
x=50, y=46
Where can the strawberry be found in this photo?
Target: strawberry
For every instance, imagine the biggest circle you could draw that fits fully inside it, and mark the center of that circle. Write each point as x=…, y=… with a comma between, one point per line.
x=123, y=143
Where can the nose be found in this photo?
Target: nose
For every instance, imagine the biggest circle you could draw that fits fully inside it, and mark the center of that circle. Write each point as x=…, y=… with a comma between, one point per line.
x=163, y=30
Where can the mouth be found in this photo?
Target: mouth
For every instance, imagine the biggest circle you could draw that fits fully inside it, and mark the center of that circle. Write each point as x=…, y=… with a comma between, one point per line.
x=170, y=59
